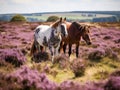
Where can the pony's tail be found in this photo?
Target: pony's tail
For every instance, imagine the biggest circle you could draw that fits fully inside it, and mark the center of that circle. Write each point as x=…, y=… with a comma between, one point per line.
x=33, y=48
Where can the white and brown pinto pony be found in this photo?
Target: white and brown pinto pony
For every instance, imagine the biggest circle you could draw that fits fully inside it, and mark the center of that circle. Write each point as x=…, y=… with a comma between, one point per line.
x=49, y=36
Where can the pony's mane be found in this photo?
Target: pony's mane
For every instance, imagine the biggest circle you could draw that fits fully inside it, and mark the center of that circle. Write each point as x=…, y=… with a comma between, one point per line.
x=76, y=24
x=55, y=24
x=82, y=28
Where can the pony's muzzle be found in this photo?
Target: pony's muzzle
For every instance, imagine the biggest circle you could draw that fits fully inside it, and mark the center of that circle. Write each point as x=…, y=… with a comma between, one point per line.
x=89, y=43
x=66, y=36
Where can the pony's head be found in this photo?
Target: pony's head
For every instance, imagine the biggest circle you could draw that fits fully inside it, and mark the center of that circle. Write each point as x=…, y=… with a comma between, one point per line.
x=85, y=33
x=60, y=28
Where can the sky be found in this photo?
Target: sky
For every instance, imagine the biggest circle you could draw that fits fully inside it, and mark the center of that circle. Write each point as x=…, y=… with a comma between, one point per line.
x=36, y=6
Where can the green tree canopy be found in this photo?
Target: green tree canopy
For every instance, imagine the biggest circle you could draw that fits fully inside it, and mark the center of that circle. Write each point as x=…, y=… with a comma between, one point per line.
x=18, y=18
x=52, y=18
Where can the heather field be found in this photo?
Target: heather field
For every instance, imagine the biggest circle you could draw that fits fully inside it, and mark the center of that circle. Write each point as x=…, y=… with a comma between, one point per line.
x=97, y=68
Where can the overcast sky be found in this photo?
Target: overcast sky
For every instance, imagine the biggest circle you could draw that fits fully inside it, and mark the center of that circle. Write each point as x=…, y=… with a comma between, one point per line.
x=34, y=6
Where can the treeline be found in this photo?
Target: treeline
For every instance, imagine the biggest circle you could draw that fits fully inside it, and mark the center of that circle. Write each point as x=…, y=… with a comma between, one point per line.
x=115, y=18
x=5, y=17
x=106, y=19
x=117, y=13
x=98, y=19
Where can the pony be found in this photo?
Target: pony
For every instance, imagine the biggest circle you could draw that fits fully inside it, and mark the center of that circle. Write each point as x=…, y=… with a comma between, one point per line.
x=49, y=36
x=75, y=31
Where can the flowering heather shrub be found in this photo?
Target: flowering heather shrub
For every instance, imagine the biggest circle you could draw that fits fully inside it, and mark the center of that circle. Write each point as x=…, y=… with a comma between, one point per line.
x=94, y=85
x=62, y=61
x=70, y=85
x=6, y=84
x=110, y=53
x=30, y=79
x=41, y=56
x=114, y=56
x=3, y=63
x=78, y=67
x=107, y=37
x=116, y=73
x=13, y=56
x=96, y=54
x=117, y=41
x=24, y=51
x=113, y=83
x=34, y=25
x=101, y=52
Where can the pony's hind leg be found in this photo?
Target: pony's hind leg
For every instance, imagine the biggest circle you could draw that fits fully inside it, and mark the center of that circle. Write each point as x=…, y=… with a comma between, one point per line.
x=61, y=46
x=39, y=48
x=77, y=49
x=70, y=46
x=64, y=48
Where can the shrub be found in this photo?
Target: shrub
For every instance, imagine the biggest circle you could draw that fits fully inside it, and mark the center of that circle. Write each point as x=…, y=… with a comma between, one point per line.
x=40, y=56
x=52, y=18
x=94, y=85
x=70, y=85
x=107, y=37
x=111, y=54
x=62, y=61
x=113, y=83
x=30, y=79
x=18, y=18
x=96, y=54
x=78, y=67
x=116, y=73
x=8, y=85
x=13, y=56
x=117, y=41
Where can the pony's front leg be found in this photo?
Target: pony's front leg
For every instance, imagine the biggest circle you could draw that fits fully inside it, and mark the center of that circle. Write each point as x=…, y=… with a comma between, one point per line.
x=56, y=51
x=70, y=46
x=52, y=54
x=77, y=49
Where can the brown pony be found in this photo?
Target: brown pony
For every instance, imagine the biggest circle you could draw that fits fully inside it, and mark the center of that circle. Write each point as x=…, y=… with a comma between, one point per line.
x=75, y=32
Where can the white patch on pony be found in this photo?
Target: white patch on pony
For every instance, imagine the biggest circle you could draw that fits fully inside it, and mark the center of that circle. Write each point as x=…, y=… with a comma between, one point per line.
x=66, y=33
x=45, y=31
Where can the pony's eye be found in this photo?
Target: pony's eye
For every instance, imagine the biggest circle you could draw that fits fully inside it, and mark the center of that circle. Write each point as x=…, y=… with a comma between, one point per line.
x=55, y=31
x=88, y=31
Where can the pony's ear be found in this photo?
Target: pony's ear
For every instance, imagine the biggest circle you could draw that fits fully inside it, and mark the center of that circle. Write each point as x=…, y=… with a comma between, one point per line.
x=81, y=28
x=65, y=19
x=60, y=19
x=88, y=26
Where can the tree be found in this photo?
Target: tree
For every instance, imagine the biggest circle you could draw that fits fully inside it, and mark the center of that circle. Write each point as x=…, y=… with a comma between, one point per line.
x=52, y=18
x=18, y=18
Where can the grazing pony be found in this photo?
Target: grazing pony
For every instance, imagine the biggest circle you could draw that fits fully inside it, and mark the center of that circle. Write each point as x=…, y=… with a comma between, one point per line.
x=49, y=36
x=75, y=32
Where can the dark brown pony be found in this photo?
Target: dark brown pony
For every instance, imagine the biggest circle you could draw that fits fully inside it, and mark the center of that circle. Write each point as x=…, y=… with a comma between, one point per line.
x=75, y=32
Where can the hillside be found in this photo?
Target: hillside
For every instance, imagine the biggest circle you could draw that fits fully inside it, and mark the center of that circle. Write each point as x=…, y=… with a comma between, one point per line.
x=98, y=65
x=82, y=16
